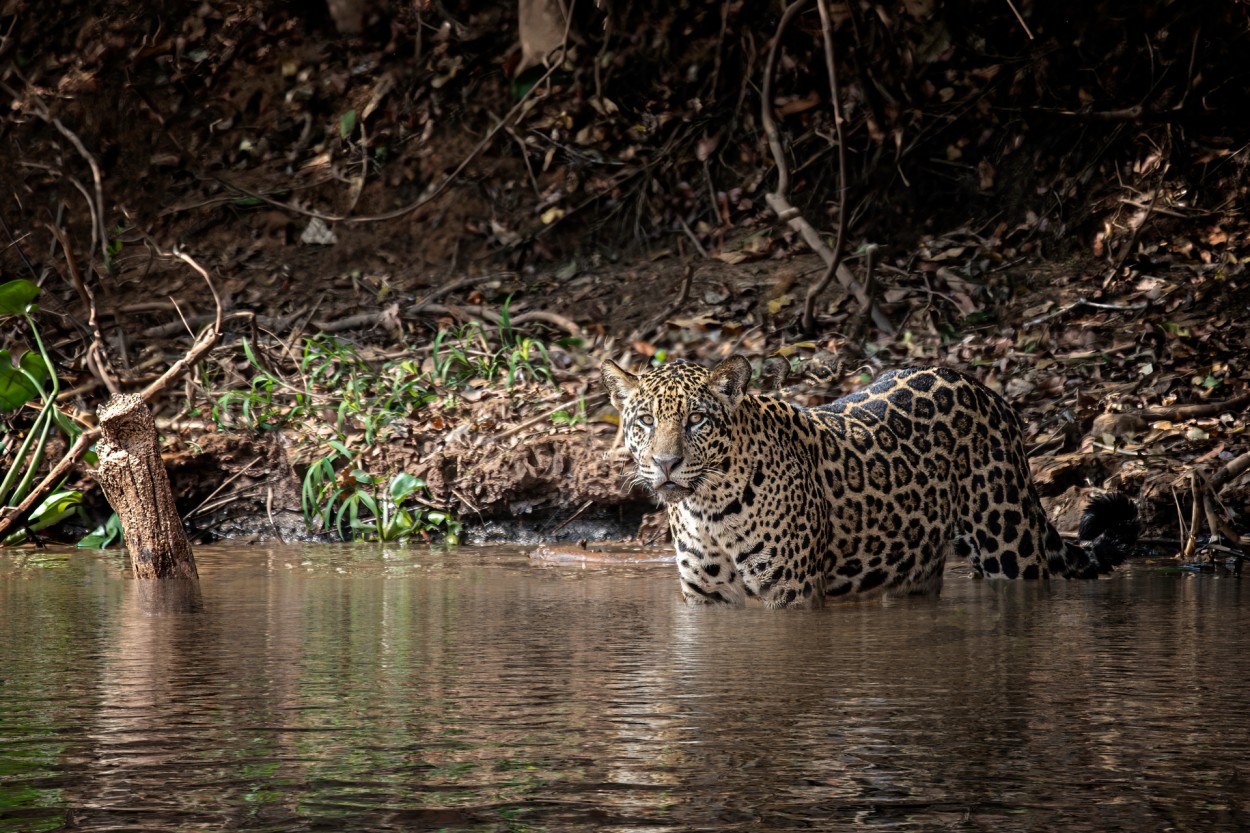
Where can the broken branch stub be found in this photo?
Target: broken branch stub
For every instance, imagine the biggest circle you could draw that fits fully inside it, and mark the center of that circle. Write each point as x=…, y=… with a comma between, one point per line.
x=137, y=487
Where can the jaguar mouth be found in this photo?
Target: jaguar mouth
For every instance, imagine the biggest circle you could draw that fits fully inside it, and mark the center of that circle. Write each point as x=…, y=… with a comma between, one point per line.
x=671, y=492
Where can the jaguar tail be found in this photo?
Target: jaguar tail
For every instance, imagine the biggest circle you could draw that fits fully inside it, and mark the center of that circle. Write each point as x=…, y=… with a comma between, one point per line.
x=1108, y=533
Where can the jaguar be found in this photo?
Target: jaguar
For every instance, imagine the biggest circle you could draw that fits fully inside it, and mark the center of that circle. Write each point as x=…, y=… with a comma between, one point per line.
x=868, y=495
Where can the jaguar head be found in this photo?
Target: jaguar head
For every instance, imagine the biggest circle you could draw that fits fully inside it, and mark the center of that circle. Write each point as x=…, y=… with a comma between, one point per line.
x=677, y=420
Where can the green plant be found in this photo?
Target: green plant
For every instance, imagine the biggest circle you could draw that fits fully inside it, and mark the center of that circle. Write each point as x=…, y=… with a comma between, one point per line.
x=335, y=383
x=371, y=508
x=517, y=352
x=104, y=535
x=329, y=383
x=454, y=365
x=50, y=511
x=337, y=386
x=21, y=383
x=573, y=417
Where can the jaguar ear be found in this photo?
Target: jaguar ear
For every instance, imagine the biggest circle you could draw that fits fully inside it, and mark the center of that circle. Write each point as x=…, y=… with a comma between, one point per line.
x=730, y=379
x=621, y=384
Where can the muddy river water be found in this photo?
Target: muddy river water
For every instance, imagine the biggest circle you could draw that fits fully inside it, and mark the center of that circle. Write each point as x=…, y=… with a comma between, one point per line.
x=369, y=688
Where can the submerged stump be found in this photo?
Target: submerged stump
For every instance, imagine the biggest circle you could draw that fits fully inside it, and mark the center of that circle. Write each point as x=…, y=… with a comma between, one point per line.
x=137, y=487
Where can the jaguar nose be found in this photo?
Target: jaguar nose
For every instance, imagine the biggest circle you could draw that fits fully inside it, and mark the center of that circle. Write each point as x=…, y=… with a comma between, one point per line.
x=666, y=463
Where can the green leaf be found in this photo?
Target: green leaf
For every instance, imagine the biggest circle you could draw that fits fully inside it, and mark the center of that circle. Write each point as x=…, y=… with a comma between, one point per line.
x=17, y=296
x=68, y=427
x=104, y=534
x=347, y=123
x=54, y=508
x=34, y=364
x=16, y=389
x=403, y=485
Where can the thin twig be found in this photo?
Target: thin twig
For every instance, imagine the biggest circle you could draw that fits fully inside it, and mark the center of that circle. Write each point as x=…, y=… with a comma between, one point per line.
x=1191, y=542
x=97, y=355
x=572, y=517
x=223, y=485
x=97, y=208
x=1020, y=18
x=1180, y=516
x=30, y=267
x=766, y=111
x=487, y=314
x=554, y=318
x=683, y=295
x=813, y=291
x=269, y=511
x=202, y=345
x=96, y=205
x=1205, y=409
x=698, y=247
x=1083, y=302
x=1141, y=224
x=779, y=200
x=459, y=283
x=593, y=400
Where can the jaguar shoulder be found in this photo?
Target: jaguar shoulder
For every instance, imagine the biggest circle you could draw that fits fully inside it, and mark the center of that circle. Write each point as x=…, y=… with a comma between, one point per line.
x=871, y=493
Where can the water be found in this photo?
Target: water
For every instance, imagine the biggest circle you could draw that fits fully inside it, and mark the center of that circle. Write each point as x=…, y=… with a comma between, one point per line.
x=359, y=689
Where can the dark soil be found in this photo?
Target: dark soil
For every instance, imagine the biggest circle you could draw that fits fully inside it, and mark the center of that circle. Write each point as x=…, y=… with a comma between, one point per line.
x=1082, y=258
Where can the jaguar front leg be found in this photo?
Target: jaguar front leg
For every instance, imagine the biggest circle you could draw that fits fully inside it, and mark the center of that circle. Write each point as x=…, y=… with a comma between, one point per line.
x=708, y=578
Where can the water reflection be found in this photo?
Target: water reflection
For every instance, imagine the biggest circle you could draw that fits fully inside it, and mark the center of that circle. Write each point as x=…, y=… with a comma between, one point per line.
x=360, y=688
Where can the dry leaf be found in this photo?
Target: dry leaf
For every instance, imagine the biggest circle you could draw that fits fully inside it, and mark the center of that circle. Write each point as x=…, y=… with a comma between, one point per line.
x=697, y=322
x=779, y=303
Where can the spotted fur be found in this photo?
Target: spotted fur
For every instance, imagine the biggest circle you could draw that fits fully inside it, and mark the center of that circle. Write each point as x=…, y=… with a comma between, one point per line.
x=868, y=494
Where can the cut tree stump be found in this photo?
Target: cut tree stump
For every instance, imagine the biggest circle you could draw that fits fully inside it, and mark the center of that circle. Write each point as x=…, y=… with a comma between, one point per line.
x=137, y=487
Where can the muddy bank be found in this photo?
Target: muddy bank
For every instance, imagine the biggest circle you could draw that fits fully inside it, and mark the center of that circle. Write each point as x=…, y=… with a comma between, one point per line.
x=1071, y=237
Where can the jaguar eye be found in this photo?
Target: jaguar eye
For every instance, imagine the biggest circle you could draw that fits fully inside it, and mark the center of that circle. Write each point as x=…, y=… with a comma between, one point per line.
x=647, y=420
x=695, y=418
